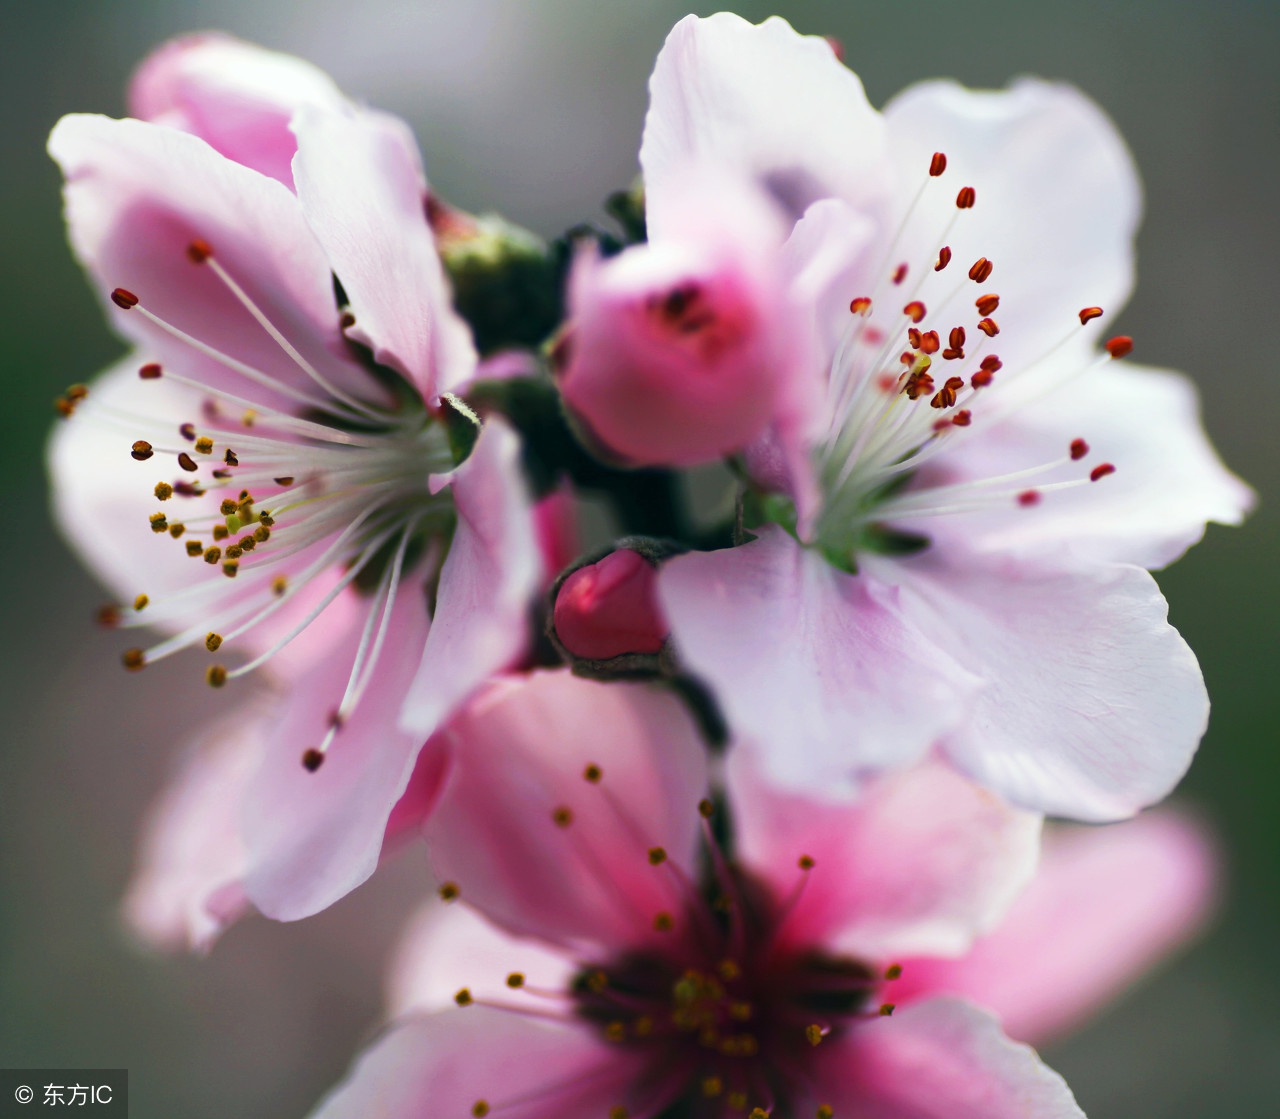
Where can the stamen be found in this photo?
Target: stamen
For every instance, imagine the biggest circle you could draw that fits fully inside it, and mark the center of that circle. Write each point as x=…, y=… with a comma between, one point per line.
x=1120, y=346
x=944, y=258
x=1088, y=313
x=1101, y=471
x=937, y=164
x=966, y=198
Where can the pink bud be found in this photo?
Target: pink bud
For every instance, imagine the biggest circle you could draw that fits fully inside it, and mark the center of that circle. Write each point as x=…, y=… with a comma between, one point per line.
x=610, y=608
x=684, y=349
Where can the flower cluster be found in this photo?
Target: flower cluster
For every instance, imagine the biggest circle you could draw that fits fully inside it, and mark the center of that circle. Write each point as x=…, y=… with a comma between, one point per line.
x=735, y=814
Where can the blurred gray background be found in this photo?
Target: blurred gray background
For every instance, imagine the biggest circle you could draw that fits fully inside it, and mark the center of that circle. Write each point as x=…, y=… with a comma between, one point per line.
x=534, y=107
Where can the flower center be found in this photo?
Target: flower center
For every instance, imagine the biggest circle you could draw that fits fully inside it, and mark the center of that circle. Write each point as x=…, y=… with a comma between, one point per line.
x=278, y=492
x=911, y=380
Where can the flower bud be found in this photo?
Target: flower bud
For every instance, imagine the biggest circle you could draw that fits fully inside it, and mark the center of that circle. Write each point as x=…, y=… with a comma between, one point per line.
x=610, y=608
x=684, y=349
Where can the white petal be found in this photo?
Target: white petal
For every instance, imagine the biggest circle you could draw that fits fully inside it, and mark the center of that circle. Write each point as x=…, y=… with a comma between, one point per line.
x=822, y=669
x=762, y=101
x=1094, y=704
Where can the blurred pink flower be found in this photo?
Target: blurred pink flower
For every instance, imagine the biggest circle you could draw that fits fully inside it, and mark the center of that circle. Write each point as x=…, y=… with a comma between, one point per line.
x=320, y=490
x=594, y=976
x=954, y=541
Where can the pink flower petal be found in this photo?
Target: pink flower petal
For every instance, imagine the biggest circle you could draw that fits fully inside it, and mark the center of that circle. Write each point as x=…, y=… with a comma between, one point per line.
x=922, y=862
x=764, y=101
x=820, y=668
x=442, y=1064
x=487, y=583
x=1169, y=480
x=363, y=194
x=1057, y=206
x=447, y=946
x=186, y=888
x=1107, y=906
x=1094, y=704
x=138, y=195
x=581, y=877
x=940, y=1059
x=313, y=837
x=236, y=96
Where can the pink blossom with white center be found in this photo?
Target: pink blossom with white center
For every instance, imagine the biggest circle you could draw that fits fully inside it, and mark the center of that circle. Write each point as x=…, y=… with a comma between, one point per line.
x=951, y=555
x=617, y=960
x=294, y=485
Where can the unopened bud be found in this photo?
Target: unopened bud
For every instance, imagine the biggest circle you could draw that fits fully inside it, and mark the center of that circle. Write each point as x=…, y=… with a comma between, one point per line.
x=610, y=608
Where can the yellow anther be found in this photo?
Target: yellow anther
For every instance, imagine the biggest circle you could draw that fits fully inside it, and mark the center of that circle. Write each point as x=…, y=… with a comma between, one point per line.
x=213, y=641
x=887, y=1009
x=176, y=530
x=480, y=1109
x=212, y=554
x=195, y=548
x=515, y=980
x=234, y=551
x=134, y=659
x=230, y=568
x=246, y=543
x=825, y=1111
x=204, y=445
x=227, y=507
x=643, y=1026
x=615, y=1031
x=221, y=532
x=249, y=418
x=814, y=1033
x=597, y=981
x=163, y=491
x=712, y=1086
x=664, y=922
x=729, y=970
x=215, y=676
x=463, y=997
x=740, y=1010
x=562, y=817
x=657, y=856
x=706, y=808
x=805, y=862
x=449, y=891
x=262, y=534
x=592, y=773
x=140, y=603
x=159, y=522
x=758, y=1113
x=617, y=1112
x=279, y=585
x=738, y=1101
x=893, y=971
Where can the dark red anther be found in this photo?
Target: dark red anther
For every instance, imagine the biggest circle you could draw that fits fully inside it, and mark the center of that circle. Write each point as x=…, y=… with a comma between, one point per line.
x=1120, y=346
x=946, y=396
x=937, y=164
x=981, y=271
x=860, y=306
x=187, y=489
x=124, y=299
x=186, y=462
x=956, y=337
x=991, y=363
x=914, y=310
x=989, y=327
x=1079, y=448
x=900, y=273
x=966, y=198
x=914, y=337
x=1101, y=471
x=944, y=258
x=312, y=760
x=987, y=304
x=929, y=342
x=346, y=320
x=108, y=616
x=142, y=450
x=230, y=458
x=907, y=357
x=1029, y=497
x=199, y=251
x=918, y=384
x=962, y=418
x=982, y=378
x=188, y=432
x=1090, y=313
x=952, y=354
x=151, y=371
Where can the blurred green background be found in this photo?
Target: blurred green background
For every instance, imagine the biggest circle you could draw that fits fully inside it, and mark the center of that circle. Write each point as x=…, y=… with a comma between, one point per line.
x=534, y=107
